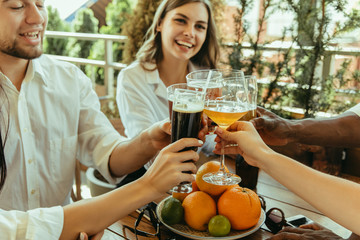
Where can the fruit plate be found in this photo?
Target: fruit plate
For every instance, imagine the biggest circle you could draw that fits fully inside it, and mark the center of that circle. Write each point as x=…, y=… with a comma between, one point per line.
x=186, y=231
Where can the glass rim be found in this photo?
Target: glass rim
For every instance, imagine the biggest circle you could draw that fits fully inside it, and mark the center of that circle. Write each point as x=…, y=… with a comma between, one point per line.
x=219, y=70
x=177, y=84
x=185, y=90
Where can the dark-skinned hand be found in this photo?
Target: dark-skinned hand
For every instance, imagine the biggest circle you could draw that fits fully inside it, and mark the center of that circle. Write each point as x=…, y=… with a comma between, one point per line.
x=312, y=231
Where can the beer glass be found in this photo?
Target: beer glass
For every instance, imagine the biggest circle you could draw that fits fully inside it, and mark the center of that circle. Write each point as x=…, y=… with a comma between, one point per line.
x=187, y=109
x=251, y=82
x=230, y=106
x=198, y=80
x=249, y=174
x=170, y=91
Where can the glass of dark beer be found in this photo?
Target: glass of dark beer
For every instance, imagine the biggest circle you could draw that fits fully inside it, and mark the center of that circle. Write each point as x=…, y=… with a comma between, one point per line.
x=249, y=174
x=187, y=109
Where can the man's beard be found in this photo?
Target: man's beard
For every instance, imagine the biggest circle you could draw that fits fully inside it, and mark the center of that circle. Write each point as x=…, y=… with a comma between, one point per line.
x=16, y=51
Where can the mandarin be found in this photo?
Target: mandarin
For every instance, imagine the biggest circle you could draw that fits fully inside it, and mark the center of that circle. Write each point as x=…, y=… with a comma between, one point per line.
x=194, y=187
x=241, y=206
x=199, y=208
x=211, y=189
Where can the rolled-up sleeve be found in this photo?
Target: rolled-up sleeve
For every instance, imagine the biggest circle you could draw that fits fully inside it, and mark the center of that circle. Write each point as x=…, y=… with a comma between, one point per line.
x=40, y=223
x=356, y=109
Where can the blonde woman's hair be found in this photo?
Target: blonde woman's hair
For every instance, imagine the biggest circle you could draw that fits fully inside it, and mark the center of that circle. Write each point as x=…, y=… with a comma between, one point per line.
x=151, y=51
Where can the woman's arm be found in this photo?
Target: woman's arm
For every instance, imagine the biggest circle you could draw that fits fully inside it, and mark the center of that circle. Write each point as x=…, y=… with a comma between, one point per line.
x=335, y=197
x=94, y=215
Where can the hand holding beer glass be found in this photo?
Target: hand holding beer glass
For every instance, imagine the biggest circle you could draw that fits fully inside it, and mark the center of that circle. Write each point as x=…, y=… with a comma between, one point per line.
x=228, y=107
x=187, y=109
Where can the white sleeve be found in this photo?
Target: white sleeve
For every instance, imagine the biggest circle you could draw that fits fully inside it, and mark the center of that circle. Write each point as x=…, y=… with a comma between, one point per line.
x=97, y=138
x=356, y=109
x=134, y=106
x=40, y=223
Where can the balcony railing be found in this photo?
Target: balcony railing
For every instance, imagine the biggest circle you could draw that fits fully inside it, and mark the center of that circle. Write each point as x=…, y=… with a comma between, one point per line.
x=107, y=63
x=328, y=65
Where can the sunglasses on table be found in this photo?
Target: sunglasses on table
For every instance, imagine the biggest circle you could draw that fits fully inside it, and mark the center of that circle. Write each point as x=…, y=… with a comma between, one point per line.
x=149, y=213
x=275, y=218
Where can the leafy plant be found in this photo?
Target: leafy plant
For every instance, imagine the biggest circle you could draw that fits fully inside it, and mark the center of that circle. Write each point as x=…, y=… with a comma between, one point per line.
x=311, y=35
x=54, y=45
x=117, y=13
x=84, y=22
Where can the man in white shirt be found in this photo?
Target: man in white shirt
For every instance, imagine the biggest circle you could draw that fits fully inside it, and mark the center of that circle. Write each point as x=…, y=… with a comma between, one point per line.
x=49, y=116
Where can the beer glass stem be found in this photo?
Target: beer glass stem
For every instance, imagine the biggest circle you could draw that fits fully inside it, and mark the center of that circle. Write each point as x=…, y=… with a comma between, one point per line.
x=222, y=158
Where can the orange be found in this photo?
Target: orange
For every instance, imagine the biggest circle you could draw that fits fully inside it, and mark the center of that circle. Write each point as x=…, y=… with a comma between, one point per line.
x=241, y=206
x=195, y=186
x=181, y=196
x=199, y=208
x=211, y=189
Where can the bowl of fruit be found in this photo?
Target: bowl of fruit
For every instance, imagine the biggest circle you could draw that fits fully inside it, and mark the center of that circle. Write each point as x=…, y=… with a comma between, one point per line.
x=211, y=211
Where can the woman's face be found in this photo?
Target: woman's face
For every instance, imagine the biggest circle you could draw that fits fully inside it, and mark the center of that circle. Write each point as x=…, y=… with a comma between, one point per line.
x=183, y=31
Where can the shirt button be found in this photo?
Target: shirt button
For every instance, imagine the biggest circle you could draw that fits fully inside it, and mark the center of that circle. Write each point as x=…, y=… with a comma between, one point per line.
x=33, y=191
x=25, y=129
x=30, y=161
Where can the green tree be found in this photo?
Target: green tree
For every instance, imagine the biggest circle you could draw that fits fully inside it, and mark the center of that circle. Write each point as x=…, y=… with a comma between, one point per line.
x=315, y=34
x=84, y=22
x=56, y=46
x=117, y=13
x=312, y=34
x=136, y=27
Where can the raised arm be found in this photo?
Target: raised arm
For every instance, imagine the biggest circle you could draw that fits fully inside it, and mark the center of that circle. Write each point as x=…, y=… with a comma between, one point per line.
x=335, y=197
x=339, y=131
x=132, y=154
x=95, y=214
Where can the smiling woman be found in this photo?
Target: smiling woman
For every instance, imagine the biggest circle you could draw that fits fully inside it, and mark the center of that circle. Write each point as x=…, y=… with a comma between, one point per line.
x=181, y=39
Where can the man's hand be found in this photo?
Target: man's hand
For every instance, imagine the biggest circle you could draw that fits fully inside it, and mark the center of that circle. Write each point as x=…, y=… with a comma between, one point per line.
x=160, y=134
x=273, y=129
x=205, y=121
x=84, y=236
x=312, y=231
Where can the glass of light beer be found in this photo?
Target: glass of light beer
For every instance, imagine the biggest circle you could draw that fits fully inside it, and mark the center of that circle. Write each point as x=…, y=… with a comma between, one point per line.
x=187, y=109
x=249, y=174
x=230, y=106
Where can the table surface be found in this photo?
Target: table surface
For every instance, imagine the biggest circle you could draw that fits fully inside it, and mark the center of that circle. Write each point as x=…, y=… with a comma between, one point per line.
x=275, y=194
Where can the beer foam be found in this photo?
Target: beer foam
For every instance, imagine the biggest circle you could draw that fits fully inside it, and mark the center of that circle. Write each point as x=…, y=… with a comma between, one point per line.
x=189, y=108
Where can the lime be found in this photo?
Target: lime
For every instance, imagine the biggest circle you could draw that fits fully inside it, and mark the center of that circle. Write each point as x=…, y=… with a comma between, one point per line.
x=172, y=211
x=219, y=226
